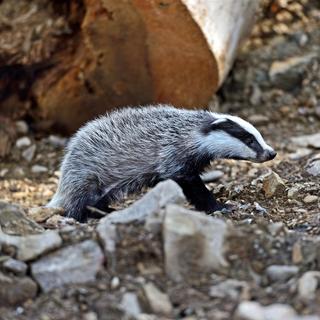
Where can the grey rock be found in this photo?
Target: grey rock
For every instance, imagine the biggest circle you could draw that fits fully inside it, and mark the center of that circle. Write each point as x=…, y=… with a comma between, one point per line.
x=13, y=220
x=313, y=166
x=23, y=142
x=308, y=284
x=163, y=193
x=281, y=272
x=17, y=267
x=249, y=310
x=57, y=141
x=288, y=74
x=22, y=127
x=39, y=169
x=15, y=290
x=130, y=304
x=212, y=176
x=230, y=289
x=193, y=242
x=310, y=199
x=28, y=154
x=159, y=302
x=300, y=153
x=312, y=140
x=32, y=246
x=70, y=265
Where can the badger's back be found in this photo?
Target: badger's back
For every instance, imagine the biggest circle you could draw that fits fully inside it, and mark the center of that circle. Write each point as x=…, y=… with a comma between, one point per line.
x=126, y=150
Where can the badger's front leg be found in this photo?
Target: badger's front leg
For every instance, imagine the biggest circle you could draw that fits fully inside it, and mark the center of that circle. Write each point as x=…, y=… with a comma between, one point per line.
x=198, y=194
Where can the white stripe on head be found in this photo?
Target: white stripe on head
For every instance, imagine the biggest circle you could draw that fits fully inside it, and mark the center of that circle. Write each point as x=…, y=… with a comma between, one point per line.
x=246, y=126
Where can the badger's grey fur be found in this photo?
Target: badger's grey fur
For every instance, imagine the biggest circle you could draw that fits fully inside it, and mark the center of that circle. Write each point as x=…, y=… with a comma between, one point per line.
x=121, y=152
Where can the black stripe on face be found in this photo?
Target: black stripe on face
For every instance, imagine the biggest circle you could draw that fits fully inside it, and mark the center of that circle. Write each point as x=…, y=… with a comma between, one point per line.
x=235, y=130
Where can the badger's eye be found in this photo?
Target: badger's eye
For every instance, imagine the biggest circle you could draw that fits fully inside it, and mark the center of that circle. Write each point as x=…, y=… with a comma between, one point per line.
x=251, y=141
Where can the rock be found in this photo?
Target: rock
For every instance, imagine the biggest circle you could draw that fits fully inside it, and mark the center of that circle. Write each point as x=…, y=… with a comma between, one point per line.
x=159, y=302
x=41, y=214
x=22, y=127
x=130, y=304
x=74, y=264
x=281, y=272
x=28, y=154
x=258, y=119
x=17, y=267
x=16, y=290
x=312, y=140
x=23, y=142
x=313, y=166
x=3, y=172
x=115, y=282
x=288, y=74
x=32, y=246
x=310, y=199
x=308, y=284
x=13, y=220
x=163, y=193
x=300, y=153
x=212, y=176
x=294, y=191
x=229, y=289
x=39, y=169
x=275, y=228
x=58, y=221
x=249, y=310
x=273, y=185
x=193, y=242
x=57, y=142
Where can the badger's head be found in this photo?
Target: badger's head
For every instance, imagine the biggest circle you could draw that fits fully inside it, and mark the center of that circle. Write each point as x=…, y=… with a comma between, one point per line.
x=230, y=137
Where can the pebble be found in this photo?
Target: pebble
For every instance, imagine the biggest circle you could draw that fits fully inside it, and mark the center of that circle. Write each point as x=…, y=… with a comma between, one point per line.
x=313, y=166
x=212, y=176
x=281, y=272
x=159, y=302
x=115, y=282
x=130, y=304
x=16, y=290
x=312, y=140
x=23, y=142
x=193, y=242
x=17, y=267
x=41, y=214
x=39, y=169
x=273, y=185
x=310, y=199
x=28, y=154
x=308, y=284
x=75, y=264
x=57, y=142
x=22, y=127
x=300, y=153
x=258, y=119
x=3, y=172
x=230, y=289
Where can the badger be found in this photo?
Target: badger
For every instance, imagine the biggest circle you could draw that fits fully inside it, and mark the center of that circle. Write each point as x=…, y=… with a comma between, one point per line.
x=126, y=150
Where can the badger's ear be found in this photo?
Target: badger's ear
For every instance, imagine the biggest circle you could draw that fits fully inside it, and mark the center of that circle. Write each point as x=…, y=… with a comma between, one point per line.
x=216, y=124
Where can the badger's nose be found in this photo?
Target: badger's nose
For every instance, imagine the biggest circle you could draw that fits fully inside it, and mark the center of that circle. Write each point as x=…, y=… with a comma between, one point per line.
x=271, y=155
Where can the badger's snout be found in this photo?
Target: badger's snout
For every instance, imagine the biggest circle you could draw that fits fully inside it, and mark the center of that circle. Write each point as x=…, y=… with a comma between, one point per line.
x=267, y=155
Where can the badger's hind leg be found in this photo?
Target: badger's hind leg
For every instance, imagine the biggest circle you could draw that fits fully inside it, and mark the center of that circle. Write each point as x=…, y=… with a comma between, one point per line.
x=198, y=195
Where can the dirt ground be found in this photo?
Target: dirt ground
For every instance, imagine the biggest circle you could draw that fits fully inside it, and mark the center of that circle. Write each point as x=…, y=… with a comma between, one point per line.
x=283, y=102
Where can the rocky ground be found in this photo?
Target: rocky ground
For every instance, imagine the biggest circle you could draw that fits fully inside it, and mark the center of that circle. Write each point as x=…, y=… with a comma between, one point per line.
x=155, y=260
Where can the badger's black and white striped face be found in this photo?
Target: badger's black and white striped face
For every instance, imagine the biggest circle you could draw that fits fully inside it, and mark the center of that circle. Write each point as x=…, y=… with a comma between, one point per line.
x=231, y=137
